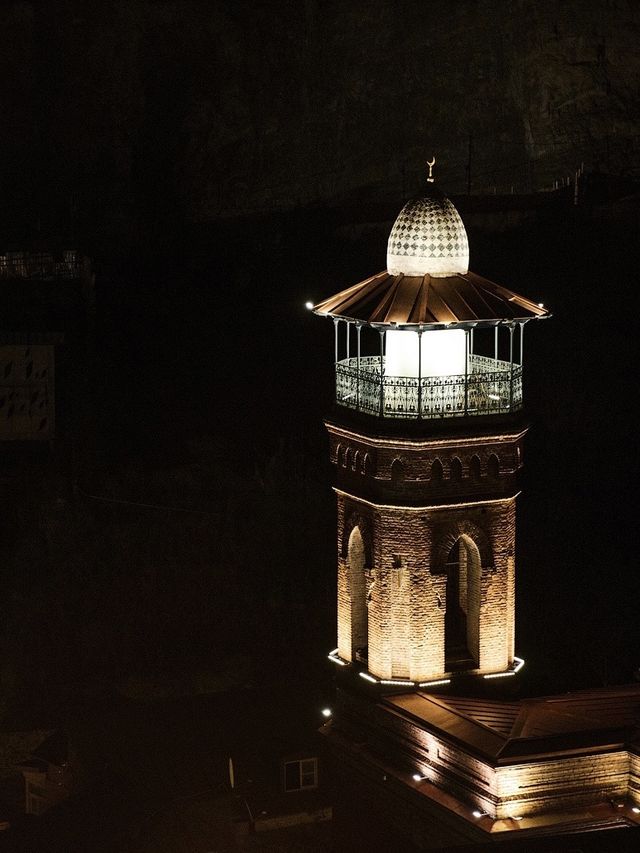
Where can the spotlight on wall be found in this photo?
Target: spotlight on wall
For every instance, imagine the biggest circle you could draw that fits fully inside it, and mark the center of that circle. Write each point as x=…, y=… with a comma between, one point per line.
x=635, y=809
x=308, y=305
x=418, y=778
x=477, y=813
x=326, y=712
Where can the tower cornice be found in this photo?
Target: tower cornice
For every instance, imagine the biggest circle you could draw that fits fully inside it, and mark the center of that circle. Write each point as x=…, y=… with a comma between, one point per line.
x=427, y=507
x=426, y=443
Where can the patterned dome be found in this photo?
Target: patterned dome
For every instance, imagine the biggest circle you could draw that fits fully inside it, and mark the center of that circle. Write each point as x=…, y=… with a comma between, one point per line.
x=428, y=238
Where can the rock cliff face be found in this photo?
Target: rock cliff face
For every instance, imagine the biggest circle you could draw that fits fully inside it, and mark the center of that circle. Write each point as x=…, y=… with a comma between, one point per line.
x=130, y=115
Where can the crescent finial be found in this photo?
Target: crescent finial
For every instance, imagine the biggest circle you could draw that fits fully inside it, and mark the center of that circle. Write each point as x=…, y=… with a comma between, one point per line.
x=431, y=164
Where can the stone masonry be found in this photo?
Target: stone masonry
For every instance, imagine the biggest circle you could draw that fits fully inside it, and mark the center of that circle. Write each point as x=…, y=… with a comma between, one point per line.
x=403, y=504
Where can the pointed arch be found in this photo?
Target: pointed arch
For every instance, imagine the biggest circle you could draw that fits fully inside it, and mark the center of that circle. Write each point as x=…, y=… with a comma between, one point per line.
x=368, y=466
x=493, y=467
x=357, y=584
x=475, y=468
x=437, y=471
x=462, y=613
x=456, y=470
x=397, y=471
x=354, y=518
x=449, y=535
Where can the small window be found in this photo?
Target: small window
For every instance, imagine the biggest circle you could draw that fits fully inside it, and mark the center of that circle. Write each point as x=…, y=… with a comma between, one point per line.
x=301, y=775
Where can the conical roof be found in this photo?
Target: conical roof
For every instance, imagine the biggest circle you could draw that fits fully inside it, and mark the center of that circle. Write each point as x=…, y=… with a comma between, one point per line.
x=427, y=281
x=426, y=300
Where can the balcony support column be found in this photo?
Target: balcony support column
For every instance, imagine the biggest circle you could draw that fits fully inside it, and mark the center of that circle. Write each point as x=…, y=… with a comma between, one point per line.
x=382, y=336
x=495, y=345
x=466, y=370
x=358, y=331
x=348, y=340
x=511, y=330
x=335, y=340
x=521, y=343
x=419, y=373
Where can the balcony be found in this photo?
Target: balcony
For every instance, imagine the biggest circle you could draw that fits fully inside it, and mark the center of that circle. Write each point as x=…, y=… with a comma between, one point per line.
x=490, y=387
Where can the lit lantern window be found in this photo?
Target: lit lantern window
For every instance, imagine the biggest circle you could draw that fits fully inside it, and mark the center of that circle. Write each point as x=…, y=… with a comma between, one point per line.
x=443, y=353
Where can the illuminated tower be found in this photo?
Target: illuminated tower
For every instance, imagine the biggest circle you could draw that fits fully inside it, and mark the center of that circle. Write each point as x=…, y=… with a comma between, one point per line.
x=427, y=439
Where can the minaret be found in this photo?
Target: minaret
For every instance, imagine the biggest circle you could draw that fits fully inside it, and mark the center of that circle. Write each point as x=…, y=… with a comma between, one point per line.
x=426, y=437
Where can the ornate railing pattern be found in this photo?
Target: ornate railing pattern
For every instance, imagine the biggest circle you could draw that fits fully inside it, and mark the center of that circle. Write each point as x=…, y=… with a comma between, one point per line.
x=490, y=387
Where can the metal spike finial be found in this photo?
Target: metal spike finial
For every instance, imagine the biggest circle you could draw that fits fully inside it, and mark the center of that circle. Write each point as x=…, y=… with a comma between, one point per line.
x=431, y=164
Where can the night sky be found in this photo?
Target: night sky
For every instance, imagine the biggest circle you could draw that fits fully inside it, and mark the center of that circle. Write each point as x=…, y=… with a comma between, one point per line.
x=220, y=164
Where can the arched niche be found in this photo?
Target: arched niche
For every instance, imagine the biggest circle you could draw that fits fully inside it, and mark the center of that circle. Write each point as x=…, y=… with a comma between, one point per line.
x=356, y=567
x=368, y=467
x=397, y=471
x=493, y=467
x=475, y=468
x=462, y=615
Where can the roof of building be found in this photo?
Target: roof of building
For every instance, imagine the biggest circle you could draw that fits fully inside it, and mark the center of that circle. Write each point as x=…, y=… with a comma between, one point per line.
x=530, y=727
x=428, y=300
x=427, y=281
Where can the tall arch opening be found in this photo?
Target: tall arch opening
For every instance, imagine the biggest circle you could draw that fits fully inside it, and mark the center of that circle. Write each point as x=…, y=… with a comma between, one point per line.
x=357, y=582
x=462, y=616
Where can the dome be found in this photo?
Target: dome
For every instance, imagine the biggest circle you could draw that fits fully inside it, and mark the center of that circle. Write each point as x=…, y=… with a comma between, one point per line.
x=428, y=238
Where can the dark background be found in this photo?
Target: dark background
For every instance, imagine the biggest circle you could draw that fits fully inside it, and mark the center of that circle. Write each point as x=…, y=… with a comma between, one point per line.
x=221, y=163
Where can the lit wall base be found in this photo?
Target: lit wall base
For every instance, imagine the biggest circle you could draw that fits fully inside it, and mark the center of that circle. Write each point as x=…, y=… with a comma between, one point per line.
x=419, y=810
x=482, y=764
x=447, y=679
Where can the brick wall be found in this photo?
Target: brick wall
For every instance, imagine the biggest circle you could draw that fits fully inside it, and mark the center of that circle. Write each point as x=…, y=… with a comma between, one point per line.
x=409, y=521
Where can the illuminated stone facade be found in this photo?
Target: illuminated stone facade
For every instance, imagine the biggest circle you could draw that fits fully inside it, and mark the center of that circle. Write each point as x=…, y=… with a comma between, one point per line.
x=426, y=526
x=461, y=769
x=426, y=742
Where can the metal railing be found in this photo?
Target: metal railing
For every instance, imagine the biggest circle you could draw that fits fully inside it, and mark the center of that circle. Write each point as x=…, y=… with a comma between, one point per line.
x=491, y=386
